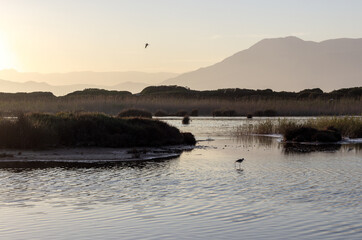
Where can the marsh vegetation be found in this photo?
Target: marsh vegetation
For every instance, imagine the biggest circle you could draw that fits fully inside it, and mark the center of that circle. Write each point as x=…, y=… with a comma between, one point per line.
x=179, y=101
x=347, y=126
x=37, y=131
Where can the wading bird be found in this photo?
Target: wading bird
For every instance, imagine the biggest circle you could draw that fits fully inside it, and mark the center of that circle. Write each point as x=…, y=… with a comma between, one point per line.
x=239, y=161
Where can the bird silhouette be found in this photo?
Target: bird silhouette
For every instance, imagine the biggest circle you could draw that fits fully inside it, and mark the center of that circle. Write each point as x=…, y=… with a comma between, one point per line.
x=239, y=161
x=146, y=45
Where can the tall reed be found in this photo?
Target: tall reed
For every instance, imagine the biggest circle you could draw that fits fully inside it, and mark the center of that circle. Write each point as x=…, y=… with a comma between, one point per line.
x=114, y=105
x=348, y=126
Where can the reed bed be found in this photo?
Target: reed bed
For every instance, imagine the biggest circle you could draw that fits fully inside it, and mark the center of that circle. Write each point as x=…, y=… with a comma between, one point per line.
x=205, y=107
x=348, y=126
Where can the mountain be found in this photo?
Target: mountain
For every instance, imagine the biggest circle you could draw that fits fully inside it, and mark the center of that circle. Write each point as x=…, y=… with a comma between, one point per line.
x=31, y=86
x=289, y=64
x=87, y=77
x=63, y=83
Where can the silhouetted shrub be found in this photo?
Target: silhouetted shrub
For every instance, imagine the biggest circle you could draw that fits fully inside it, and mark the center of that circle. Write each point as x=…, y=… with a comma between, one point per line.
x=309, y=134
x=186, y=120
x=135, y=113
x=189, y=139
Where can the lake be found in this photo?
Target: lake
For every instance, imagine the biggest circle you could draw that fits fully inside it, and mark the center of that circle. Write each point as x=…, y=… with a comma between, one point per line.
x=276, y=193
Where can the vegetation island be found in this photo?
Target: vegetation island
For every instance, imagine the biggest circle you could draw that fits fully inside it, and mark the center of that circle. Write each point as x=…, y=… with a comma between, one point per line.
x=39, y=131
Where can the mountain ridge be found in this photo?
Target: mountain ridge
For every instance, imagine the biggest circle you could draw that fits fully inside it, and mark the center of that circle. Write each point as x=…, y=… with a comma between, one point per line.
x=288, y=63
x=62, y=83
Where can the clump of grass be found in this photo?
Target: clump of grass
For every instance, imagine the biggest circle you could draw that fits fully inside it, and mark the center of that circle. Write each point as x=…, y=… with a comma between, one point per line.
x=189, y=139
x=309, y=134
x=347, y=126
x=135, y=113
x=265, y=127
x=85, y=130
x=262, y=127
x=186, y=120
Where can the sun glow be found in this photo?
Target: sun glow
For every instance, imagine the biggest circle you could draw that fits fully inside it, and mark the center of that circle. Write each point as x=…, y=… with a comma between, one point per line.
x=6, y=57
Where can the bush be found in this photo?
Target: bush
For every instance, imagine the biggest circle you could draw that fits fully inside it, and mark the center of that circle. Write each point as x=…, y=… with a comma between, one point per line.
x=309, y=134
x=186, y=120
x=189, y=138
x=135, y=113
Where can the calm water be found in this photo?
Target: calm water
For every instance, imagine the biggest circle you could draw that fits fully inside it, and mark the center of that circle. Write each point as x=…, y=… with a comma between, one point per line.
x=275, y=194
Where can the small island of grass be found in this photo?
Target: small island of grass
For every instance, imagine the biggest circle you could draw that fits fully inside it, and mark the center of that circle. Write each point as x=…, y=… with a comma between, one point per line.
x=39, y=131
x=321, y=129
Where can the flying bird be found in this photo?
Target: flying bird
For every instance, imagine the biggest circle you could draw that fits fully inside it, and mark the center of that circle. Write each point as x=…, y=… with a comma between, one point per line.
x=146, y=45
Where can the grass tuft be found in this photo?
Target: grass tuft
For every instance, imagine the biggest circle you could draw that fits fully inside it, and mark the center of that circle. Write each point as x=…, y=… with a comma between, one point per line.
x=348, y=126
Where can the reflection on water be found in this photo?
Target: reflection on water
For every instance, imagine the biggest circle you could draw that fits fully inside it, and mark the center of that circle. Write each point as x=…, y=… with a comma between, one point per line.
x=261, y=141
x=202, y=194
x=289, y=148
x=20, y=166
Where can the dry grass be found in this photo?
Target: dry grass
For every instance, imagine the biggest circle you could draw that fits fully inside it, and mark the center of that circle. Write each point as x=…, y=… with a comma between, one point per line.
x=348, y=126
x=205, y=107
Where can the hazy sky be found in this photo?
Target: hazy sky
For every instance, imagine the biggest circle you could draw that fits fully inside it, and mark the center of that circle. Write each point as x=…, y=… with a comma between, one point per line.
x=109, y=35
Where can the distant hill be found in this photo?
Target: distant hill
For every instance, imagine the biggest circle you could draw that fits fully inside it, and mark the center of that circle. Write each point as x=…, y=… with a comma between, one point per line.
x=63, y=83
x=31, y=86
x=92, y=92
x=87, y=77
x=289, y=64
x=236, y=94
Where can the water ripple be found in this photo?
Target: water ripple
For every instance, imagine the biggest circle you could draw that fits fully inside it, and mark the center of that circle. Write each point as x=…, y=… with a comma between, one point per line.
x=201, y=195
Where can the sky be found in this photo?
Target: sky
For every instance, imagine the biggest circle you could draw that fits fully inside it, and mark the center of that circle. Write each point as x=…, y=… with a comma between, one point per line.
x=109, y=35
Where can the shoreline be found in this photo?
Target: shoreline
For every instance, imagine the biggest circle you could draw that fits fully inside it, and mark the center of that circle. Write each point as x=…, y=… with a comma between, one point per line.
x=93, y=155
